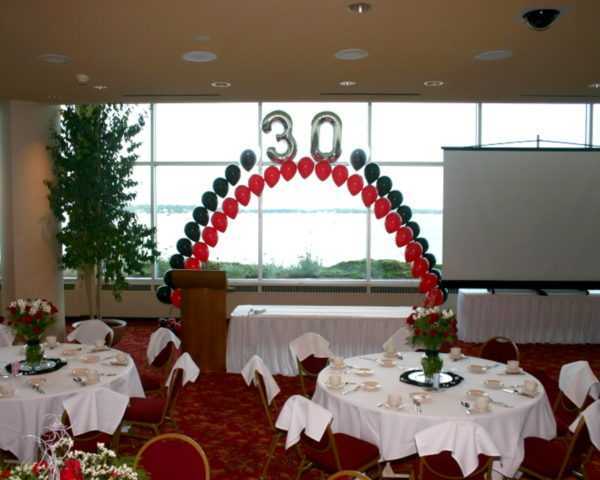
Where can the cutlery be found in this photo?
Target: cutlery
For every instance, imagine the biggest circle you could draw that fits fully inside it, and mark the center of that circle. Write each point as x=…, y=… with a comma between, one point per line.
x=502, y=404
x=38, y=389
x=417, y=406
x=367, y=358
x=80, y=381
x=492, y=366
x=351, y=389
x=108, y=374
x=466, y=406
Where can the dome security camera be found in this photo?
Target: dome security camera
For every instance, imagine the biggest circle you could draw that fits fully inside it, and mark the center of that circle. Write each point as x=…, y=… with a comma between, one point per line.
x=541, y=18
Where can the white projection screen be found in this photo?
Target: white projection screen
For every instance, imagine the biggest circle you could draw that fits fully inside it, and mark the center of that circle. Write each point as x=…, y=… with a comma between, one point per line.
x=517, y=215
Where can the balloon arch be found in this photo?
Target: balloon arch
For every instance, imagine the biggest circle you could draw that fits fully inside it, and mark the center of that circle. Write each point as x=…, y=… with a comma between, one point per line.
x=376, y=191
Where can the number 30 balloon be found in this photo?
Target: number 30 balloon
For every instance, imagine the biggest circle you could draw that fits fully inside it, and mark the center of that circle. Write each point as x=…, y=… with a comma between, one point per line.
x=336, y=147
x=280, y=116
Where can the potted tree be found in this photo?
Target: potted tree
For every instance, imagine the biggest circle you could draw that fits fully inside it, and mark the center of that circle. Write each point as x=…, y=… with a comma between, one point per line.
x=94, y=149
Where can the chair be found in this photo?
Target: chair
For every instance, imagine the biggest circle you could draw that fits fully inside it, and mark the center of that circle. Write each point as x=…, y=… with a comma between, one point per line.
x=173, y=456
x=87, y=442
x=312, y=353
x=443, y=467
x=90, y=331
x=7, y=336
x=348, y=475
x=591, y=471
x=161, y=354
x=499, y=349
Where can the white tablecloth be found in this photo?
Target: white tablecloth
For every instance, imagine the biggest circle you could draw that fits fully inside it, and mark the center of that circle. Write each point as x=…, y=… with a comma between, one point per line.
x=351, y=330
x=393, y=432
x=25, y=416
x=528, y=318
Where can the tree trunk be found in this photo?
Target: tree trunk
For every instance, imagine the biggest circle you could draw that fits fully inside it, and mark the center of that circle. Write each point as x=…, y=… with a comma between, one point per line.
x=88, y=275
x=98, y=290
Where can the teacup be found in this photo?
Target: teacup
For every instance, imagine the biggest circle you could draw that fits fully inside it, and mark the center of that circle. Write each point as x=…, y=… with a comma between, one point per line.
x=530, y=387
x=388, y=362
x=337, y=362
x=512, y=366
x=37, y=381
x=455, y=353
x=394, y=400
x=334, y=380
x=493, y=383
x=51, y=341
x=99, y=343
x=92, y=377
x=80, y=372
x=477, y=368
x=482, y=403
x=90, y=358
x=475, y=393
x=121, y=358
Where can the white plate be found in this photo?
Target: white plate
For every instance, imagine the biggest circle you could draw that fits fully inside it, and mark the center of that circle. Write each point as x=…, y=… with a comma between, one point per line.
x=492, y=386
x=386, y=365
x=335, y=387
x=370, y=386
x=363, y=372
x=520, y=371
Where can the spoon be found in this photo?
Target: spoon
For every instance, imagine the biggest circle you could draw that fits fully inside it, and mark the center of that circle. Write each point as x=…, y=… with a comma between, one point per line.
x=467, y=407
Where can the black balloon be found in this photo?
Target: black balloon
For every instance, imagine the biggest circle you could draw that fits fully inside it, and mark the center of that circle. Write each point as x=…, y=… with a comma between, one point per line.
x=444, y=293
x=163, y=294
x=192, y=231
x=233, y=174
x=395, y=198
x=221, y=186
x=431, y=259
x=200, y=214
x=372, y=172
x=177, y=261
x=210, y=200
x=414, y=226
x=168, y=278
x=436, y=272
x=358, y=158
x=424, y=243
x=384, y=185
x=405, y=212
x=248, y=159
x=184, y=246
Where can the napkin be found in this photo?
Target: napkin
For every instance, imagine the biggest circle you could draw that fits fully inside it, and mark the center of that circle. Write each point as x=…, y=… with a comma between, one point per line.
x=576, y=381
x=7, y=337
x=98, y=409
x=89, y=331
x=591, y=415
x=256, y=364
x=189, y=367
x=299, y=413
x=310, y=344
x=398, y=341
x=158, y=342
x=466, y=440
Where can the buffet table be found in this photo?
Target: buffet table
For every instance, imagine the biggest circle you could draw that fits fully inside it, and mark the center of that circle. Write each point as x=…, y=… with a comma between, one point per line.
x=267, y=330
x=363, y=413
x=528, y=317
x=25, y=416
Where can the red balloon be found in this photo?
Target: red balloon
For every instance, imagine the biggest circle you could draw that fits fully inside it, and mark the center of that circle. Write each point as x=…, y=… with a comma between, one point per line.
x=434, y=297
x=340, y=175
x=419, y=267
x=403, y=236
x=242, y=195
x=355, y=184
x=256, y=184
x=176, y=298
x=272, y=175
x=230, y=207
x=210, y=236
x=219, y=221
x=192, y=263
x=369, y=194
x=306, y=166
x=413, y=251
x=382, y=207
x=288, y=170
x=392, y=222
x=323, y=170
x=200, y=251
x=428, y=281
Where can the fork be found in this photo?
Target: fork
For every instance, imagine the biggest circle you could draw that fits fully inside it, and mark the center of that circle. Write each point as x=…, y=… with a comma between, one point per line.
x=466, y=406
x=502, y=404
x=38, y=389
x=417, y=406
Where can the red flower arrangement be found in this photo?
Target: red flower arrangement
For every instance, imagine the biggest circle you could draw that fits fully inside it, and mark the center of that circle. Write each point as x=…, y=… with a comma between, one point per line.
x=30, y=318
x=432, y=327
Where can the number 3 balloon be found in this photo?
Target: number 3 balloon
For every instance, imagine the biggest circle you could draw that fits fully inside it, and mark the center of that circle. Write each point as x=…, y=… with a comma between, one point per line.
x=286, y=136
x=336, y=147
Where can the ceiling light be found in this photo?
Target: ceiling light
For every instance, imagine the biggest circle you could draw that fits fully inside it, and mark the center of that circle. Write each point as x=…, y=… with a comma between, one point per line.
x=359, y=8
x=100, y=87
x=201, y=38
x=54, y=58
x=347, y=83
x=199, y=56
x=433, y=83
x=492, y=55
x=220, y=84
x=351, y=54
x=594, y=85
x=82, y=78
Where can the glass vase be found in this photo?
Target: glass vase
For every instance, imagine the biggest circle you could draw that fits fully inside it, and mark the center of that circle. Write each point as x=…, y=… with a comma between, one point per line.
x=33, y=352
x=432, y=365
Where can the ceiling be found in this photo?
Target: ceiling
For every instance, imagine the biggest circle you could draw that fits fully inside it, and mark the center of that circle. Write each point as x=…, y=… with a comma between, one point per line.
x=275, y=49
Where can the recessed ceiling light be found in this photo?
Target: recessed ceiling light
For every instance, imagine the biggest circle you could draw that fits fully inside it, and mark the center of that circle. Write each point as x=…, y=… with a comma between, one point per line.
x=199, y=56
x=201, y=38
x=100, y=87
x=220, y=84
x=594, y=85
x=492, y=55
x=351, y=54
x=433, y=83
x=359, y=8
x=54, y=58
x=347, y=83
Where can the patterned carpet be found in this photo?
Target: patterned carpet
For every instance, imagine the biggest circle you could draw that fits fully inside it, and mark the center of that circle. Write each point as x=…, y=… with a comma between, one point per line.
x=226, y=418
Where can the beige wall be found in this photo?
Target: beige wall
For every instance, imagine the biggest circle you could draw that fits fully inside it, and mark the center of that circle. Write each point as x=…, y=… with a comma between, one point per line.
x=30, y=249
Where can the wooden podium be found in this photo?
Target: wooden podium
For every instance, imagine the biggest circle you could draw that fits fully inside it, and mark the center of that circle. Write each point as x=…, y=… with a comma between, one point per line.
x=204, y=315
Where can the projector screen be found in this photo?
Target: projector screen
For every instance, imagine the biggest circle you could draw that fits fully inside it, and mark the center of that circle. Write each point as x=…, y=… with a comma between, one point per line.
x=521, y=215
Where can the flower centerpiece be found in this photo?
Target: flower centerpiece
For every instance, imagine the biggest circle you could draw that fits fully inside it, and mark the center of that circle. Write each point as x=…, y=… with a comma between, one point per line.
x=431, y=328
x=29, y=319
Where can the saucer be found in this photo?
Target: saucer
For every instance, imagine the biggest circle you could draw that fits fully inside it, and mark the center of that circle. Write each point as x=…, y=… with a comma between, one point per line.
x=363, y=372
x=421, y=396
x=80, y=372
x=71, y=352
x=390, y=354
x=99, y=349
x=475, y=392
x=474, y=409
x=494, y=385
x=116, y=363
x=391, y=364
x=335, y=387
x=90, y=358
x=528, y=394
x=520, y=371
x=370, y=386
x=474, y=368
x=462, y=356
x=389, y=407
x=340, y=368
x=37, y=382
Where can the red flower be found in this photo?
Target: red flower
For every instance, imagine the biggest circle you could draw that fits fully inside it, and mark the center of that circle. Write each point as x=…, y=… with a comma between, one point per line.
x=38, y=467
x=71, y=470
x=27, y=319
x=432, y=320
x=434, y=317
x=433, y=333
x=36, y=330
x=53, y=309
x=410, y=320
x=5, y=473
x=417, y=332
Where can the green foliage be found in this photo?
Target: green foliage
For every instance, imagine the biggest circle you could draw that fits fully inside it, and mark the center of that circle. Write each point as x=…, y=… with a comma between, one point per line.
x=94, y=151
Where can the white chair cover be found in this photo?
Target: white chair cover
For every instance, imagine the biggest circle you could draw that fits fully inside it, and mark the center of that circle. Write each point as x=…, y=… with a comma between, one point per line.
x=591, y=415
x=398, y=342
x=310, y=344
x=466, y=440
x=91, y=330
x=158, y=341
x=576, y=381
x=7, y=337
x=298, y=414
x=189, y=367
x=256, y=364
x=98, y=409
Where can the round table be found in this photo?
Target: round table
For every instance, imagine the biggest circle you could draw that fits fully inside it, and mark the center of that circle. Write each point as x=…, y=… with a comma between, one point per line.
x=24, y=416
x=356, y=412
